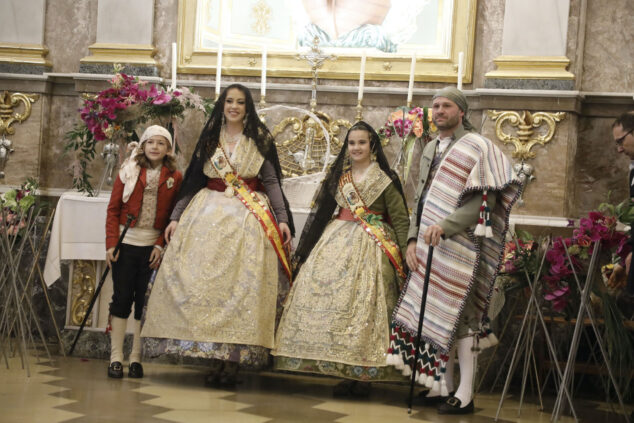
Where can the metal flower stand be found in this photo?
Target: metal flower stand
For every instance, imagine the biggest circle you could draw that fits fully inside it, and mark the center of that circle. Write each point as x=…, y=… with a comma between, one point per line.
x=524, y=343
x=585, y=311
x=19, y=324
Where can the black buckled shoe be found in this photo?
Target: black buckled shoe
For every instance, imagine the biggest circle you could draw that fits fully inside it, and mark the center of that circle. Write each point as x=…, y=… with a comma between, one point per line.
x=115, y=370
x=135, y=371
x=453, y=406
x=424, y=401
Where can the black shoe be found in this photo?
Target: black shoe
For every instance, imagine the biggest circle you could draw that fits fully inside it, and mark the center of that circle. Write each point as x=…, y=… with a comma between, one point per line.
x=135, y=371
x=343, y=388
x=352, y=389
x=424, y=401
x=115, y=370
x=453, y=406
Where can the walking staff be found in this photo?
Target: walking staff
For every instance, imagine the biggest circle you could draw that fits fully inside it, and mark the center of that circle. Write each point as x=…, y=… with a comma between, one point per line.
x=421, y=316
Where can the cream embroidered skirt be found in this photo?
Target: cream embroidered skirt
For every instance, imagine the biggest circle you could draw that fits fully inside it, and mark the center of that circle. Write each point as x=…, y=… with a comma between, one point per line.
x=336, y=319
x=216, y=291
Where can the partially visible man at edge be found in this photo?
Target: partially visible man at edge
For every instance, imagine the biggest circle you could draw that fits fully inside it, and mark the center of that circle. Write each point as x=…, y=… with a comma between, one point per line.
x=622, y=131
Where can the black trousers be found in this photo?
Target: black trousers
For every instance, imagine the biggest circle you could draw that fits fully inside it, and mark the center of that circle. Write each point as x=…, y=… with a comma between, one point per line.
x=130, y=276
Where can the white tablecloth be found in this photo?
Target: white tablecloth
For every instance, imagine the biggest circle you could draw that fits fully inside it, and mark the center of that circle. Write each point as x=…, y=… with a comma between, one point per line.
x=78, y=232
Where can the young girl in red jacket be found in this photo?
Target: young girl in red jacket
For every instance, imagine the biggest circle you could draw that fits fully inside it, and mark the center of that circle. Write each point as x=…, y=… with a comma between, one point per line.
x=146, y=189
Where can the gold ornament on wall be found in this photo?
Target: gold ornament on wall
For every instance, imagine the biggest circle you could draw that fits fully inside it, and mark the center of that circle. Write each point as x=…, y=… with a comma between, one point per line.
x=82, y=288
x=9, y=103
x=533, y=128
x=527, y=123
x=8, y=116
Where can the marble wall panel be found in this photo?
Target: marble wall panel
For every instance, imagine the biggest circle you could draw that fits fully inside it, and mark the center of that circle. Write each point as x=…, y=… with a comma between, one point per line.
x=71, y=26
x=125, y=22
x=573, y=40
x=535, y=28
x=63, y=115
x=608, y=64
x=599, y=167
x=165, y=30
x=22, y=21
x=489, y=29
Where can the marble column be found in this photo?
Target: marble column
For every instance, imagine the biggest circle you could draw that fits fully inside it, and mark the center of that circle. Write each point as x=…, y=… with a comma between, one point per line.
x=124, y=35
x=22, y=47
x=533, y=52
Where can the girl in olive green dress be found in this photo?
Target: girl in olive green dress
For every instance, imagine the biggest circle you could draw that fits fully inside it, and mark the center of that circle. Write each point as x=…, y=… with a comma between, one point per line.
x=348, y=270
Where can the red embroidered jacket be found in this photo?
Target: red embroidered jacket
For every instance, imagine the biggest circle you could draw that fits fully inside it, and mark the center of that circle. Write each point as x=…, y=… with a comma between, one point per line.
x=169, y=184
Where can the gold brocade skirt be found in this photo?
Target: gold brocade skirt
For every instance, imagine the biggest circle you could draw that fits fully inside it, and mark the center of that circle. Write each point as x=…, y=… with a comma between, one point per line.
x=218, y=282
x=336, y=318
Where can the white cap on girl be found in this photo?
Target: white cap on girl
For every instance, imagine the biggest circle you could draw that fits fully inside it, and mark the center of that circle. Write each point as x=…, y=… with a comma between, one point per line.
x=130, y=169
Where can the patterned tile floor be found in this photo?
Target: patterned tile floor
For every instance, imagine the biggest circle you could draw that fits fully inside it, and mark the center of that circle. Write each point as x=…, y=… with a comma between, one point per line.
x=77, y=390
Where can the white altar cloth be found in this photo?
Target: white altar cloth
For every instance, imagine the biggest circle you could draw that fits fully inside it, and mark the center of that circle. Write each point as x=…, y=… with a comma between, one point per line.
x=78, y=232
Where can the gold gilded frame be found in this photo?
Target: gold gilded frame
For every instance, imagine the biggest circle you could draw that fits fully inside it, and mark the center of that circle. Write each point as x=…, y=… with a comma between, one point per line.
x=394, y=67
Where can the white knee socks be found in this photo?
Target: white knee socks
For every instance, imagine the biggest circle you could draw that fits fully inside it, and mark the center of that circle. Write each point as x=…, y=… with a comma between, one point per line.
x=135, y=354
x=466, y=358
x=449, y=371
x=117, y=335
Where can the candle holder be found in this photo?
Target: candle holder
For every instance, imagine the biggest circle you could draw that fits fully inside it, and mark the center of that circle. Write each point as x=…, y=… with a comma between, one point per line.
x=359, y=115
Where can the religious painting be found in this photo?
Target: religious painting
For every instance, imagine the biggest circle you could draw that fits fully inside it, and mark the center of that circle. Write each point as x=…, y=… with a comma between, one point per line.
x=388, y=32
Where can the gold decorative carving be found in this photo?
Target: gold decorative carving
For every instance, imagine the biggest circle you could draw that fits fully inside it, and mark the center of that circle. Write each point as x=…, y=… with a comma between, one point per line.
x=305, y=151
x=261, y=14
x=83, y=282
x=8, y=116
x=387, y=66
x=252, y=61
x=528, y=132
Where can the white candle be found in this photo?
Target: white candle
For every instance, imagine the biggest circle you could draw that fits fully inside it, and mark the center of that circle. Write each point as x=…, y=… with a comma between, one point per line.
x=173, y=66
x=218, y=69
x=410, y=89
x=362, y=76
x=263, y=79
x=460, y=69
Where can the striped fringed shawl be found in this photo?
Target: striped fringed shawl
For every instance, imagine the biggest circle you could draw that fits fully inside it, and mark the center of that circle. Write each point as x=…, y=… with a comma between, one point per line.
x=461, y=264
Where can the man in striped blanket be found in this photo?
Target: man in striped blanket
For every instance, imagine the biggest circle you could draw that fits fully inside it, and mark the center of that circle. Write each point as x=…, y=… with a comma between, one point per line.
x=464, y=196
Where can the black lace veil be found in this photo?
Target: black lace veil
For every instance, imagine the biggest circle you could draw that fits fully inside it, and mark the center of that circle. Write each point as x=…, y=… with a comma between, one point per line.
x=324, y=204
x=195, y=179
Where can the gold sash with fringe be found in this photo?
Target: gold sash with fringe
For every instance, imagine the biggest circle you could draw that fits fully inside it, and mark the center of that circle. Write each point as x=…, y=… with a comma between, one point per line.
x=237, y=187
x=371, y=222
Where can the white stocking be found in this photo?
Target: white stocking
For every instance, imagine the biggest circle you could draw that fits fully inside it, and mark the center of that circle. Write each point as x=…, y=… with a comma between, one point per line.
x=466, y=358
x=117, y=335
x=135, y=354
x=449, y=372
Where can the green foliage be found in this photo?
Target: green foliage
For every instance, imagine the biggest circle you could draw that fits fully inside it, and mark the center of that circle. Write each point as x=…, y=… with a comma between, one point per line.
x=81, y=142
x=619, y=342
